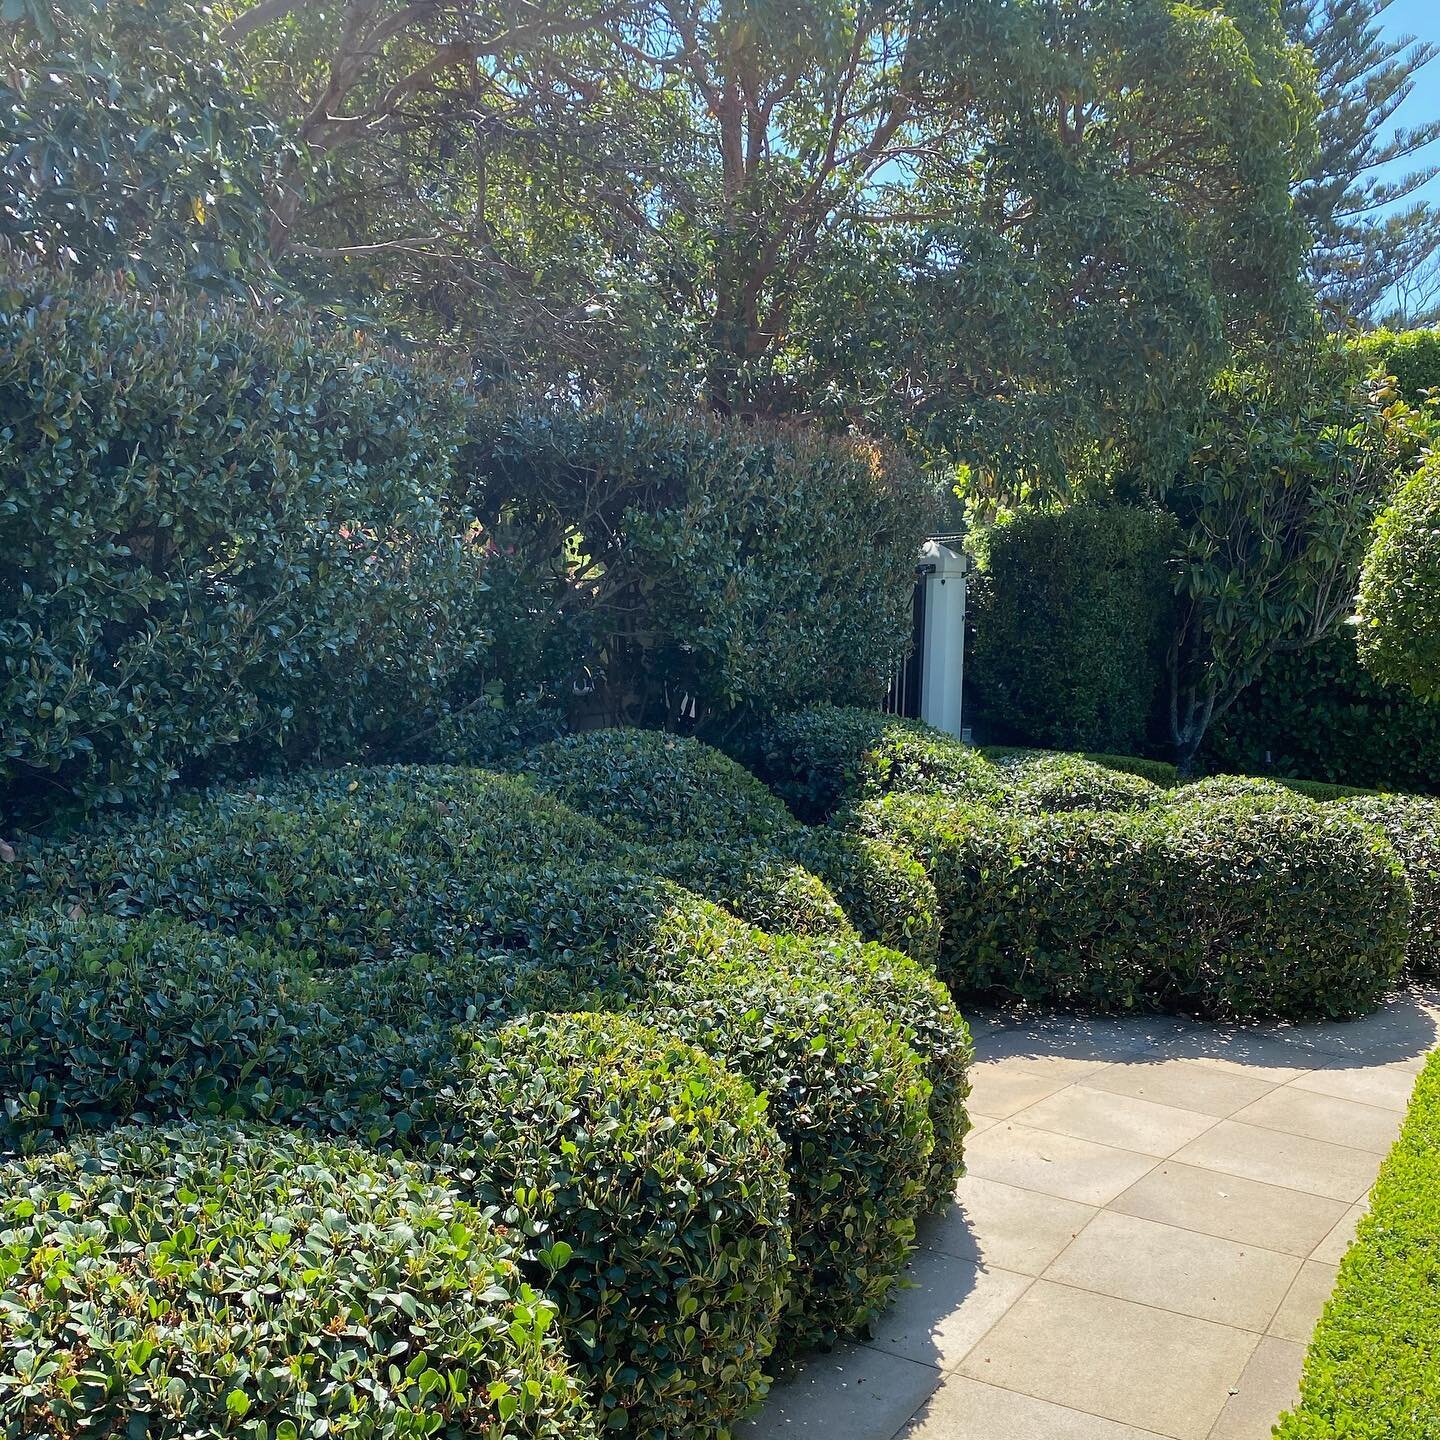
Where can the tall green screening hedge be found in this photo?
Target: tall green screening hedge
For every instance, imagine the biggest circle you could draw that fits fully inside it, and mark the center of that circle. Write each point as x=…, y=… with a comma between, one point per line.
x=1072, y=614
x=221, y=533
x=1373, y=1368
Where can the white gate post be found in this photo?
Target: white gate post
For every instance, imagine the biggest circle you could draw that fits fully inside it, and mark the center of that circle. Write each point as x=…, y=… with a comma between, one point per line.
x=944, y=641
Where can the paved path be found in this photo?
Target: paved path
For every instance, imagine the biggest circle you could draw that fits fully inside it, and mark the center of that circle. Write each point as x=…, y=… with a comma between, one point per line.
x=1148, y=1232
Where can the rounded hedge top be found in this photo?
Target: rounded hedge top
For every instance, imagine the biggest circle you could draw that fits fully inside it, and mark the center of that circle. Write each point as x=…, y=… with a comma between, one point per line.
x=1047, y=784
x=211, y=1282
x=655, y=788
x=1221, y=789
x=826, y=758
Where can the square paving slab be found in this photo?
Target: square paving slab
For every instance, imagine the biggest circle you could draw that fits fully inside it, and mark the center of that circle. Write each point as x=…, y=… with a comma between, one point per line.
x=1149, y=1229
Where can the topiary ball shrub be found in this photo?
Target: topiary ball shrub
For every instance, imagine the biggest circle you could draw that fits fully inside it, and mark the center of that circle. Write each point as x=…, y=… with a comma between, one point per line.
x=351, y=864
x=1047, y=784
x=655, y=788
x=1224, y=788
x=1227, y=908
x=1411, y=823
x=886, y=893
x=649, y=1186
x=824, y=759
x=203, y=1281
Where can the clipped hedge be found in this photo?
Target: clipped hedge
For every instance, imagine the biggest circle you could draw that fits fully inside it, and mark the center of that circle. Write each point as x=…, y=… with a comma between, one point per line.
x=1220, y=789
x=1230, y=908
x=649, y=1185
x=822, y=760
x=204, y=1281
x=1373, y=1368
x=1412, y=825
x=1046, y=784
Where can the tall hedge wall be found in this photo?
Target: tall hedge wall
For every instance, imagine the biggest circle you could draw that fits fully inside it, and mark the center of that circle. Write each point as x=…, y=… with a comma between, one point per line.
x=1071, y=617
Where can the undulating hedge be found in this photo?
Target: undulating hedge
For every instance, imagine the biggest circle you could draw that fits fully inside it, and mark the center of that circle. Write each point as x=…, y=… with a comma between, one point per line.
x=1235, y=907
x=1046, y=783
x=1072, y=611
x=1412, y=825
x=1373, y=1368
x=647, y=1181
x=1224, y=788
x=709, y=824
x=190, y=1281
x=824, y=759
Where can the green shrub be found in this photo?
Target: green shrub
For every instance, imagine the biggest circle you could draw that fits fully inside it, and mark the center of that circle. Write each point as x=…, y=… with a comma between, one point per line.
x=162, y=611
x=1411, y=356
x=1157, y=772
x=1373, y=1368
x=205, y=1281
x=352, y=864
x=649, y=1182
x=1221, y=789
x=1400, y=589
x=1412, y=826
x=1231, y=908
x=1044, y=784
x=885, y=892
x=1322, y=791
x=1319, y=713
x=691, y=603
x=819, y=761
x=1072, y=611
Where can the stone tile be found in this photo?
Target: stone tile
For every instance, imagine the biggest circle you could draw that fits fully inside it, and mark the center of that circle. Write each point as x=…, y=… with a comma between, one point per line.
x=1387, y=1086
x=1119, y=1120
x=1402, y=1032
x=1331, y=1250
x=1246, y=1211
x=856, y=1392
x=1325, y=1117
x=1172, y=1269
x=979, y=1123
x=947, y=1305
x=1000, y=1225
x=1314, y=1166
x=1054, y=1164
x=1188, y=1084
x=1298, y=1312
x=1001, y=1087
x=1262, y=1054
x=1126, y=1362
x=963, y=1409
x=1269, y=1385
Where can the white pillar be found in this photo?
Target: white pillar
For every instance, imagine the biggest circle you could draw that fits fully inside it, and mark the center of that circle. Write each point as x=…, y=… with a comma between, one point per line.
x=944, y=641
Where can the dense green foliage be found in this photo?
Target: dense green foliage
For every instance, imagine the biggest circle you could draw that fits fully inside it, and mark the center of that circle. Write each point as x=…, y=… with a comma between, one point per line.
x=1041, y=784
x=645, y=1176
x=220, y=536
x=1321, y=714
x=1072, y=616
x=1411, y=356
x=1400, y=589
x=1235, y=907
x=207, y=1281
x=1412, y=825
x=1373, y=1368
x=821, y=760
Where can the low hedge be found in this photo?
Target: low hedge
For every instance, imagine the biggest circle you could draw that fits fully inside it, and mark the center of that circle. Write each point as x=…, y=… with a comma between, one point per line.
x=713, y=827
x=194, y=1281
x=1231, y=908
x=1158, y=772
x=822, y=760
x=1412, y=825
x=1373, y=1368
x=1222, y=789
x=1040, y=784
x=650, y=1186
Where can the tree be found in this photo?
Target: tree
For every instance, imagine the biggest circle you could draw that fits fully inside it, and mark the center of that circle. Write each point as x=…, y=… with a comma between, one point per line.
x=1287, y=473
x=1367, y=242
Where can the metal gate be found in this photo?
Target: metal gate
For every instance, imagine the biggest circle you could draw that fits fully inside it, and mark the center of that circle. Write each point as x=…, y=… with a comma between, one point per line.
x=908, y=677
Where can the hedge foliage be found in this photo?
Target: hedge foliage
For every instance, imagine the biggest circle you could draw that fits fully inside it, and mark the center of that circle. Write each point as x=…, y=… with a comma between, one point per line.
x=1043, y=784
x=206, y=1281
x=1400, y=589
x=1411, y=356
x=824, y=759
x=1373, y=1368
x=1237, y=907
x=1072, y=614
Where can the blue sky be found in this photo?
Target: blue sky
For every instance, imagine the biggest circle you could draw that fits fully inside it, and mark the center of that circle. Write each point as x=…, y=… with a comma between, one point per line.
x=1420, y=18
